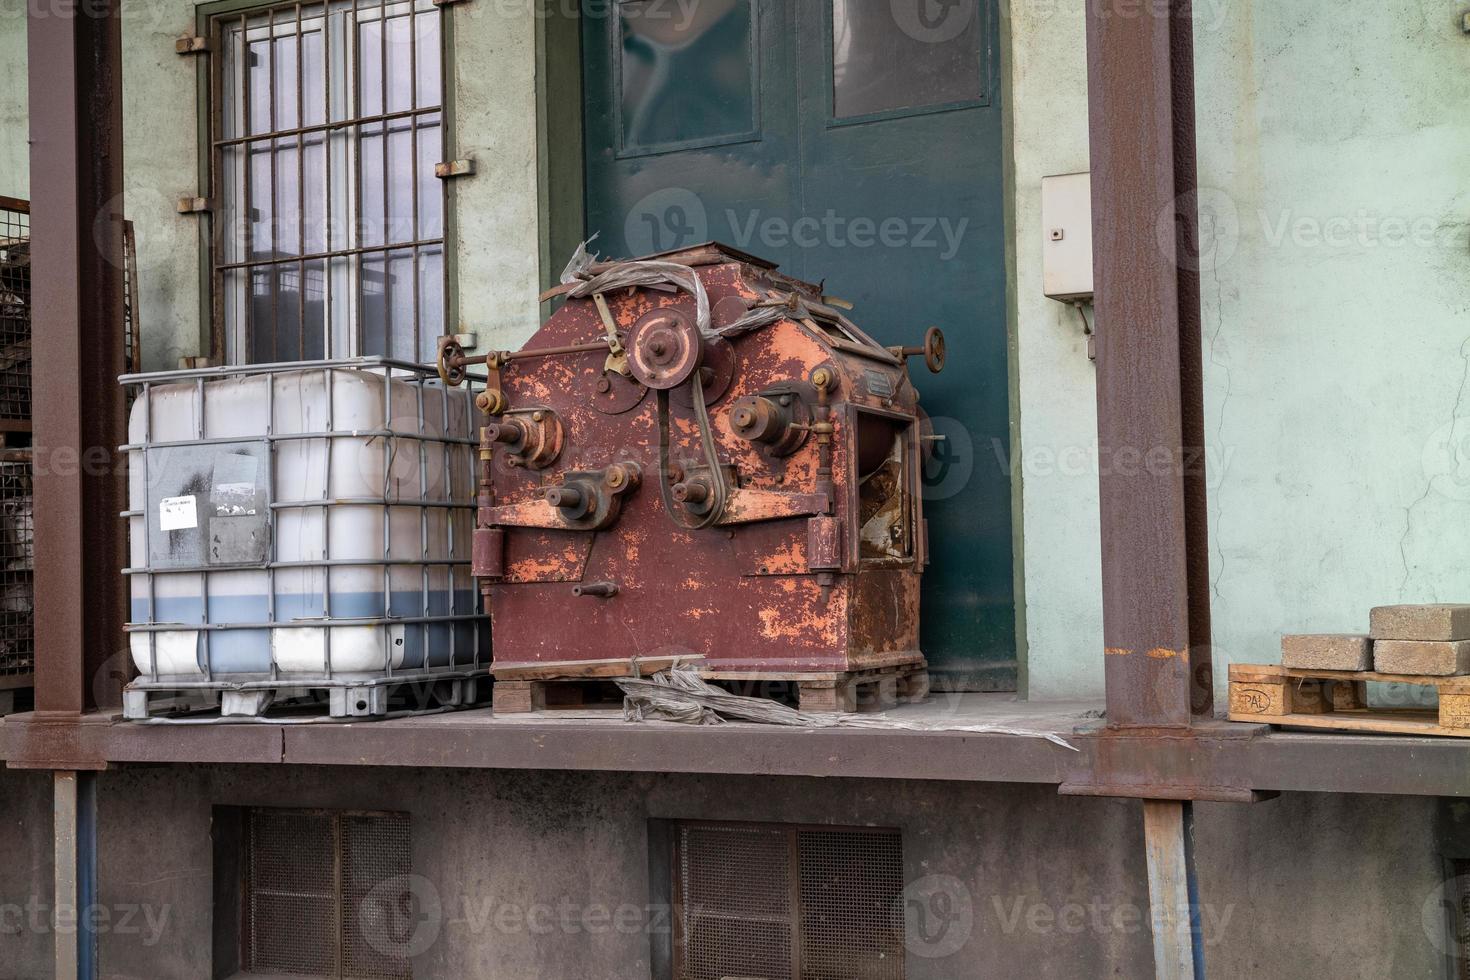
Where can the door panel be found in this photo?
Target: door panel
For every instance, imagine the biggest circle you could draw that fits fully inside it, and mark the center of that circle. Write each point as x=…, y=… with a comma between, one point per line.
x=873, y=162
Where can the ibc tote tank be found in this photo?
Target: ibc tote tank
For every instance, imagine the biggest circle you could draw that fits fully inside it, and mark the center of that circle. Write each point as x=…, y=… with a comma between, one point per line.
x=298, y=529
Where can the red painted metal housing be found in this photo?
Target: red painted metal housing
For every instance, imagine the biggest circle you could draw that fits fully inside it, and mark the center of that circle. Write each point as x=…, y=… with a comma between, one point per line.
x=806, y=571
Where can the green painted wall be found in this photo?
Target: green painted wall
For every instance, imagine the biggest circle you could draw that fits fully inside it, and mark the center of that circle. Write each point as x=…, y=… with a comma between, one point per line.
x=15, y=161
x=499, y=226
x=1333, y=149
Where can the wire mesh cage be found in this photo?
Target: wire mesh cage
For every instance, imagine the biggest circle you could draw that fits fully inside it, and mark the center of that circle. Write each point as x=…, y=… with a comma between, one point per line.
x=17, y=630
x=15, y=309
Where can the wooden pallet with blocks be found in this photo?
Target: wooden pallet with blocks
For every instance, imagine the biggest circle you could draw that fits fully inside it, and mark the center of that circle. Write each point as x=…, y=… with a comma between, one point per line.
x=1337, y=700
x=528, y=687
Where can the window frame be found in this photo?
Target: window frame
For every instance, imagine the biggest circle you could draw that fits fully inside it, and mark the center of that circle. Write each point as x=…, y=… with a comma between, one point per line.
x=212, y=20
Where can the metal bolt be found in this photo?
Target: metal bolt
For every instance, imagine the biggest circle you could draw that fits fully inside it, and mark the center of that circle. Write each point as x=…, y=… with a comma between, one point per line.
x=604, y=385
x=538, y=416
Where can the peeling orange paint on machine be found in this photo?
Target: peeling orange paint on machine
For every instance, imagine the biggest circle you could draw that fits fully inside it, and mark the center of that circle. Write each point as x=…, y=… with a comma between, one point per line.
x=735, y=475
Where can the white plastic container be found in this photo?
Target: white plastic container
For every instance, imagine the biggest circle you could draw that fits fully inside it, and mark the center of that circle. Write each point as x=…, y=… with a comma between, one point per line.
x=301, y=526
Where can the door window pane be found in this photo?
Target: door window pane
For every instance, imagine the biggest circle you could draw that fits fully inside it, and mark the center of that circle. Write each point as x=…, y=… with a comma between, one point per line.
x=687, y=72
x=907, y=54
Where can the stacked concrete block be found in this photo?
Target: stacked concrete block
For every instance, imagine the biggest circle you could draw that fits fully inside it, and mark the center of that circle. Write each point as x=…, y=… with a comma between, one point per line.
x=1327, y=651
x=1431, y=640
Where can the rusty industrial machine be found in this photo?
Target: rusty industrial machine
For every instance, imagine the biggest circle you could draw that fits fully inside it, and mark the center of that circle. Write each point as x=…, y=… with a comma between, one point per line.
x=698, y=454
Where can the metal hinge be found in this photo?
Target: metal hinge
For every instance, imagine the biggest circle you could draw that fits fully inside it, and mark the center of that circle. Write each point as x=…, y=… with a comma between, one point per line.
x=195, y=205
x=454, y=168
x=192, y=45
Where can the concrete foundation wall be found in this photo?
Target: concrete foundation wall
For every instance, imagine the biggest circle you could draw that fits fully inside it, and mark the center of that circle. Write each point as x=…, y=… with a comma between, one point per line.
x=26, y=875
x=1043, y=886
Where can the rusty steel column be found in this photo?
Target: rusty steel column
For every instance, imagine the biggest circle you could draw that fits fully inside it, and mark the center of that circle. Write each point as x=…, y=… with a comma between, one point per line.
x=1150, y=399
x=75, y=70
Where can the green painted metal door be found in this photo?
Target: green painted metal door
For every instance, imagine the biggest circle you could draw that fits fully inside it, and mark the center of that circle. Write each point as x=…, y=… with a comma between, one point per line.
x=856, y=142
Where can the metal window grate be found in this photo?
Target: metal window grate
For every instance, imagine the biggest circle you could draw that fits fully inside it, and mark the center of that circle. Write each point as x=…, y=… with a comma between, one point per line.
x=17, y=626
x=327, y=125
x=314, y=880
x=788, y=903
x=15, y=309
x=852, y=905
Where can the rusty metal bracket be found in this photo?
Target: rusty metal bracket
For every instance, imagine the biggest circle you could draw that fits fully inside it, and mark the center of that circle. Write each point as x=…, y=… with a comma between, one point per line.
x=1162, y=763
x=589, y=500
x=195, y=205
x=192, y=45
x=754, y=506
x=454, y=168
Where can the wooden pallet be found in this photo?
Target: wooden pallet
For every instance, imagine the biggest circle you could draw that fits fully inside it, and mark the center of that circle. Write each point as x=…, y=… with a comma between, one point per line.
x=1337, y=700
x=875, y=688
x=523, y=688
x=370, y=700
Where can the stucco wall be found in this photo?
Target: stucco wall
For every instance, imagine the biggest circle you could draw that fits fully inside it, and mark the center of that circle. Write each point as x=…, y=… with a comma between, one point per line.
x=1047, y=78
x=1331, y=146
x=499, y=228
x=1028, y=895
x=15, y=159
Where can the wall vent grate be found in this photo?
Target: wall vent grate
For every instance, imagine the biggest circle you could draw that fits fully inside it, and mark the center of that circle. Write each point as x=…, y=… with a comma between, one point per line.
x=780, y=902
x=326, y=894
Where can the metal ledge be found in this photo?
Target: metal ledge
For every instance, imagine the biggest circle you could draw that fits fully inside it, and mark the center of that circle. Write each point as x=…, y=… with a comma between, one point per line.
x=1260, y=763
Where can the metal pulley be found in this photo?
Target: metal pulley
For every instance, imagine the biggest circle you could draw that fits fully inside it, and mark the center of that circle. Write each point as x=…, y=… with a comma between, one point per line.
x=664, y=349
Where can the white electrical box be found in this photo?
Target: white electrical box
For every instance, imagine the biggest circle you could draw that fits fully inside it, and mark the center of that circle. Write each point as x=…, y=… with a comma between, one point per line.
x=1066, y=222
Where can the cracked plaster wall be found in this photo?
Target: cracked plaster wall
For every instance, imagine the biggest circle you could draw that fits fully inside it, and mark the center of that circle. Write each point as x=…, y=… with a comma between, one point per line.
x=1332, y=149
x=1332, y=146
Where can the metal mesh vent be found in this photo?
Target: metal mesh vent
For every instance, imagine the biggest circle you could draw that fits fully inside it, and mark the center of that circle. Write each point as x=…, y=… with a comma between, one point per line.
x=735, y=912
x=318, y=890
x=17, y=628
x=852, y=909
x=1460, y=893
x=770, y=902
x=378, y=920
x=15, y=309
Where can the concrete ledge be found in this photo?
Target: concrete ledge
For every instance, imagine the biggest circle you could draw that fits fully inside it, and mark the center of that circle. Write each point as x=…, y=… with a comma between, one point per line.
x=1278, y=761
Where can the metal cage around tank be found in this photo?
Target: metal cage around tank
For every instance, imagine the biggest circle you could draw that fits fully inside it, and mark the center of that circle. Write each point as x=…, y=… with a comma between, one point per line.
x=448, y=437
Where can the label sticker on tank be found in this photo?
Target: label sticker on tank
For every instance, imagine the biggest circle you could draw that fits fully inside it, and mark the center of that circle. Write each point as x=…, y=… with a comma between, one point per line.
x=234, y=485
x=177, y=514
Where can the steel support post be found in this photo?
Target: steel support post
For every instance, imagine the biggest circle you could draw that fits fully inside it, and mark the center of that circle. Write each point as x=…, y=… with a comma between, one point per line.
x=1155, y=583
x=1156, y=604
x=75, y=71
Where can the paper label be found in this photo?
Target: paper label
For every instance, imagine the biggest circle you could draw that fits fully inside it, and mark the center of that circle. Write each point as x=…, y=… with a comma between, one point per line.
x=234, y=485
x=177, y=513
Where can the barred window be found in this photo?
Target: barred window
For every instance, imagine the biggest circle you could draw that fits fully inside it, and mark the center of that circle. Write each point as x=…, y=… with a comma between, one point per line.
x=327, y=123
